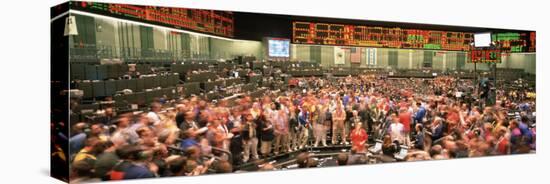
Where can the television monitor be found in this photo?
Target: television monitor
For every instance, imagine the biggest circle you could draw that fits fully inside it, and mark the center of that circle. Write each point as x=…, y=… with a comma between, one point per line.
x=278, y=47
x=482, y=39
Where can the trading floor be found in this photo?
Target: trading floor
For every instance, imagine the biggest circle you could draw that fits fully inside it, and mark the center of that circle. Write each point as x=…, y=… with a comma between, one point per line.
x=149, y=97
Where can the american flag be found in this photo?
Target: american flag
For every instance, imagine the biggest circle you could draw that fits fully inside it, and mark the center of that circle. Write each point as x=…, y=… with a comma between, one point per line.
x=355, y=55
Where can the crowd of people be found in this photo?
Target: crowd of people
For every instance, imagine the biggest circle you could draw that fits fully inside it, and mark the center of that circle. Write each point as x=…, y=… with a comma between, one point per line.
x=440, y=118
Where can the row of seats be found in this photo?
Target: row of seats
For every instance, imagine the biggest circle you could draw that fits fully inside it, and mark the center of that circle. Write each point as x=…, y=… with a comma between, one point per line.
x=146, y=97
x=232, y=81
x=201, y=77
x=344, y=72
x=217, y=68
x=305, y=73
x=87, y=71
x=154, y=62
x=142, y=99
x=125, y=101
x=102, y=72
x=195, y=88
x=190, y=66
x=90, y=60
x=221, y=65
x=286, y=65
x=303, y=66
x=412, y=74
x=209, y=86
x=95, y=89
x=213, y=95
x=240, y=88
x=190, y=88
x=184, y=68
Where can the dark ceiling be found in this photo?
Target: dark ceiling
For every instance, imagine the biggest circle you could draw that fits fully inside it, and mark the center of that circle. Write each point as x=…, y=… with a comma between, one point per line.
x=255, y=26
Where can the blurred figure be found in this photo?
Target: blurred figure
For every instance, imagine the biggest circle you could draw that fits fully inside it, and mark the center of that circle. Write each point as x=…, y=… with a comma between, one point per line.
x=321, y=125
x=266, y=136
x=358, y=138
x=338, y=118
x=250, y=141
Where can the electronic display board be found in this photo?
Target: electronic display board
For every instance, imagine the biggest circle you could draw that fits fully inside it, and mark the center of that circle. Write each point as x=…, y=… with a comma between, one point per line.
x=374, y=36
x=485, y=56
x=515, y=42
x=214, y=22
x=395, y=37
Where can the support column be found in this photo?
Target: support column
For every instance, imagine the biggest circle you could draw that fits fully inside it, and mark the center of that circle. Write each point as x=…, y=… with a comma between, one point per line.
x=444, y=61
x=293, y=52
x=410, y=59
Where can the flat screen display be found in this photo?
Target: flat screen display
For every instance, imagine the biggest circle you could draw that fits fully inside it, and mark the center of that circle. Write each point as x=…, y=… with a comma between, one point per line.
x=279, y=47
x=482, y=39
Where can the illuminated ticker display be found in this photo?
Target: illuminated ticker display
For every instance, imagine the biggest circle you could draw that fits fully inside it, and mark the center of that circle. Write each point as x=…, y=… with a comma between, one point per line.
x=506, y=42
x=372, y=36
x=515, y=42
x=485, y=56
x=206, y=21
x=532, y=42
x=385, y=37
